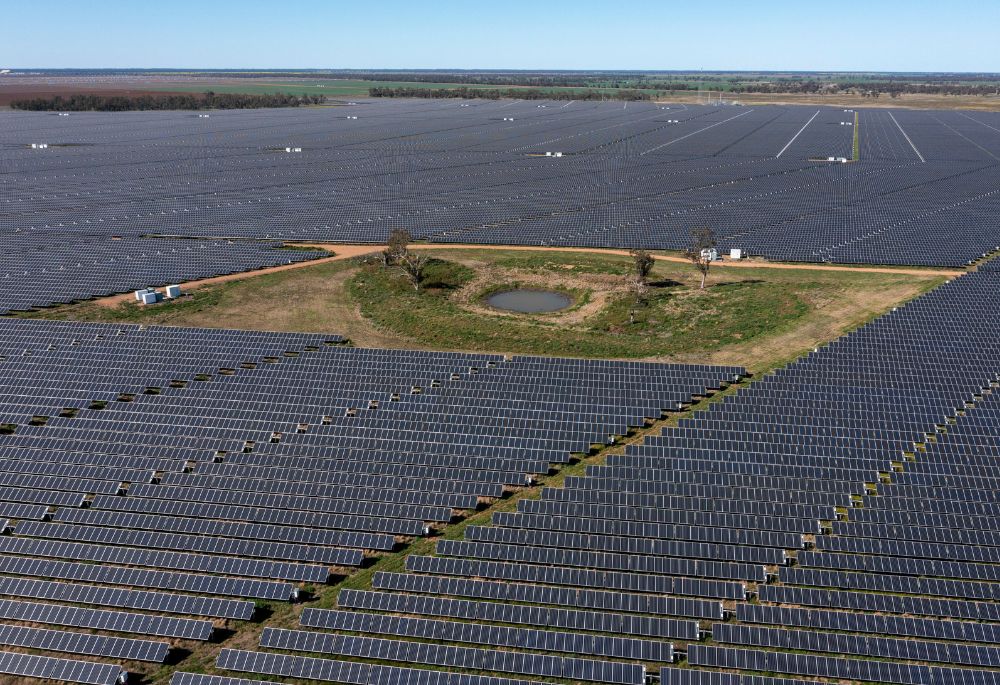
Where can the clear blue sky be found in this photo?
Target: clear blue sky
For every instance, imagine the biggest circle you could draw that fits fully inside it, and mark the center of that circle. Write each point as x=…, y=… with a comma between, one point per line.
x=884, y=35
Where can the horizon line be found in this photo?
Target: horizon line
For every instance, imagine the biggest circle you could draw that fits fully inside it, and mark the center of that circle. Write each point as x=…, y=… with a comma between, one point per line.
x=511, y=70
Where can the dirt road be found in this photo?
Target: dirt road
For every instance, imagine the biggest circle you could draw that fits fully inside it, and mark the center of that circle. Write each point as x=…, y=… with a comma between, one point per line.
x=744, y=263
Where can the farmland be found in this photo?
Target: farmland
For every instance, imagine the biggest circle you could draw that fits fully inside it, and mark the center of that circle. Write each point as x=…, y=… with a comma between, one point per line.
x=924, y=91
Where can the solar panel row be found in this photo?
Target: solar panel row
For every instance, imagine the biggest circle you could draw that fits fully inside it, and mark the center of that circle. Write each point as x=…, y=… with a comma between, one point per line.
x=64, y=670
x=57, y=266
x=453, y=631
x=84, y=643
x=921, y=191
x=474, y=659
x=895, y=422
x=117, y=621
x=125, y=598
x=208, y=468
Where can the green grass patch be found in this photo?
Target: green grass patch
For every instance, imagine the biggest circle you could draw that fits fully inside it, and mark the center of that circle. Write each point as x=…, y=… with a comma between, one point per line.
x=758, y=317
x=688, y=320
x=305, y=248
x=566, y=262
x=128, y=312
x=674, y=320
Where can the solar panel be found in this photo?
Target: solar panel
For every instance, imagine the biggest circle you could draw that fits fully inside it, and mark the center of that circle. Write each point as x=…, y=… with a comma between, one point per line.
x=463, y=657
x=453, y=631
x=920, y=188
x=66, y=670
x=238, y=511
x=84, y=643
x=117, y=621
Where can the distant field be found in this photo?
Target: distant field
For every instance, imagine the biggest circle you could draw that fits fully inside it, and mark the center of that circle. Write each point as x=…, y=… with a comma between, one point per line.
x=989, y=103
x=337, y=89
x=688, y=87
x=347, y=88
x=360, y=88
x=757, y=317
x=334, y=88
x=351, y=89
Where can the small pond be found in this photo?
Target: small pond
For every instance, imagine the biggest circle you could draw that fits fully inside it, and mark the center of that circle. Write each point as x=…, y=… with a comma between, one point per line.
x=529, y=301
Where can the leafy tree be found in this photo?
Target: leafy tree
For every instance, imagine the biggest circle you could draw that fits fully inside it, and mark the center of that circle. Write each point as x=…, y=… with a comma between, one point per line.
x=636, y=282
x=643, y=261
x=397, y=247
x=702, y=240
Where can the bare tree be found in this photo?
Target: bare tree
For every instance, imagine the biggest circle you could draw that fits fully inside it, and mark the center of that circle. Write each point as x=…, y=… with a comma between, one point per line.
x=702, y=243
x=414, y=265
x=397, y=247
x=640, y=290
x=643, y=263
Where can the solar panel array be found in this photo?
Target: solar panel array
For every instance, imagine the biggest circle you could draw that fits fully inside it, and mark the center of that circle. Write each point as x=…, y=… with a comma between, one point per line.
x=43, y=268
x=837, y=519
x=156, y=482
x=922, y=191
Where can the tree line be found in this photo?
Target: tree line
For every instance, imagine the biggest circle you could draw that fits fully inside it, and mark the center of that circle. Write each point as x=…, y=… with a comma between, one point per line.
x=749, y=82
x=535, y=80
x=505, y=93
x=89, y=102
x=869, y=88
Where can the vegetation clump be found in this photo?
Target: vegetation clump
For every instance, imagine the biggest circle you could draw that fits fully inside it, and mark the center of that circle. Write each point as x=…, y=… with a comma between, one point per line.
x=396, y=247
x=88, y=102
x=675, y=318
x=501, y=93
x=397, y=253
x=637, y=282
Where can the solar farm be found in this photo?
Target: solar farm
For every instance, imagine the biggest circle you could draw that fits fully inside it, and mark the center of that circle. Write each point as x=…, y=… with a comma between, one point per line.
x=916, y=187
x=212, y=506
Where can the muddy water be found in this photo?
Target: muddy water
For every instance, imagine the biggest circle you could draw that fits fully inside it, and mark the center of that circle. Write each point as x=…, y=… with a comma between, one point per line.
x=529, y=301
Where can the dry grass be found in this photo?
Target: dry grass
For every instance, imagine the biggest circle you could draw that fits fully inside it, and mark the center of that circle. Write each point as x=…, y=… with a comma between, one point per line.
x=839, y=300
x=317, y=299
x=832, y=316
